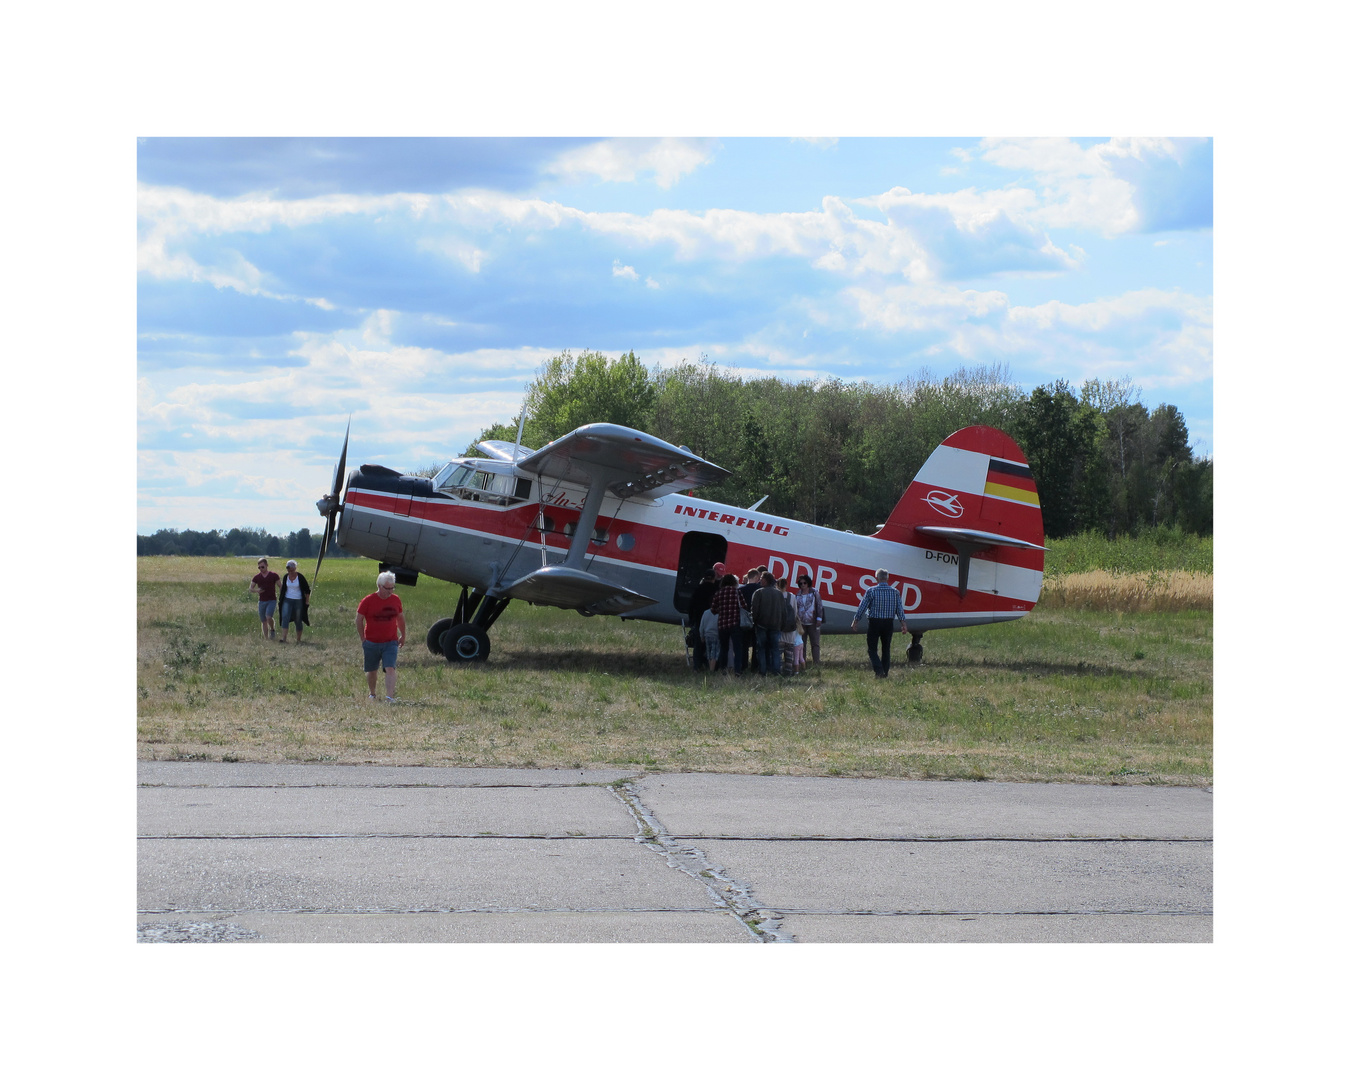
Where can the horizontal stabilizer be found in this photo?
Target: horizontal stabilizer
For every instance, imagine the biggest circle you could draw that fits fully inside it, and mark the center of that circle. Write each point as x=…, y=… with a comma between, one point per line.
x=975, y=536
x=631, y=463
x=566, y=587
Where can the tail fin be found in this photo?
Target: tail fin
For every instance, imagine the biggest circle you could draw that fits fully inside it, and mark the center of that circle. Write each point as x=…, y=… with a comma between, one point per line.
x=975, y=493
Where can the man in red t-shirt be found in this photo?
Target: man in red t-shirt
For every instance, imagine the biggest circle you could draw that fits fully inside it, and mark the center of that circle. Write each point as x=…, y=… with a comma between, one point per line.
x=264, y=584
x=380, y=626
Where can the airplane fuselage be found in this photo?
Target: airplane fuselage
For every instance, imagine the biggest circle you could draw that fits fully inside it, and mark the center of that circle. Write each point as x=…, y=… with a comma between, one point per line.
x=510, y=522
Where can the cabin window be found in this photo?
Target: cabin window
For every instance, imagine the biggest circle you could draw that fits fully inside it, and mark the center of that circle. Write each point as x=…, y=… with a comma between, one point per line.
x=598, y=536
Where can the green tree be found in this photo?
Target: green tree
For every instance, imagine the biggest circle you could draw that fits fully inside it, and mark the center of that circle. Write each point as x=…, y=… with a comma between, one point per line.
x=589, y=389
x=1060, y=436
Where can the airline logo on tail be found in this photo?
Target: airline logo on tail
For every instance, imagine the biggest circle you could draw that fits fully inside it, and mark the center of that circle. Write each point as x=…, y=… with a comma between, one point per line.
x=945, y=503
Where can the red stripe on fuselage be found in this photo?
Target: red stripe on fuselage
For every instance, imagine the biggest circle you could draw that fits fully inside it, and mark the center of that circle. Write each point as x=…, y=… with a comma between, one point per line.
x=658, y=546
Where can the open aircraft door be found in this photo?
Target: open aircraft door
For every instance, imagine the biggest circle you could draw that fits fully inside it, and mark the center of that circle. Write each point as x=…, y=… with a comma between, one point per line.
x=698, y=552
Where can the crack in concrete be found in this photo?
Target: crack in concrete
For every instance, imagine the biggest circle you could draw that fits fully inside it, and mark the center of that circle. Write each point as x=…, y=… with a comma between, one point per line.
x=724, y=890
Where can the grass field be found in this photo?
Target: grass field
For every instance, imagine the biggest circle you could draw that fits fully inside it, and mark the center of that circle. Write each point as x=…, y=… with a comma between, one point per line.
x=1066, y=694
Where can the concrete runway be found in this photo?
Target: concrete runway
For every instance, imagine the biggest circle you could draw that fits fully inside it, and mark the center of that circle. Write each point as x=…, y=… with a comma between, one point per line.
x=335, y=853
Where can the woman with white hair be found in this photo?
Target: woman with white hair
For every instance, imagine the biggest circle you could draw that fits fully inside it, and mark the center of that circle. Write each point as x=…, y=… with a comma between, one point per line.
x=380, y=626
x=293, y=592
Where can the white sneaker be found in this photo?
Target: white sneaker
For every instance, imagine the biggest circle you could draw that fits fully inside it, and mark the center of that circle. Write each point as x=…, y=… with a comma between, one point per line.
x=371, y=697
x=388, y=700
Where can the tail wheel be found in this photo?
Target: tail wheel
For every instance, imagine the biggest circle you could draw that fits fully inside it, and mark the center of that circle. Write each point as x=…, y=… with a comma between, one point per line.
x=439, y=627
x=465, y=643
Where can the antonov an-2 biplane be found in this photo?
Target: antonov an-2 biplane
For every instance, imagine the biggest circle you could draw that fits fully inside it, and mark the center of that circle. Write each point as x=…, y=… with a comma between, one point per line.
x=601, y=521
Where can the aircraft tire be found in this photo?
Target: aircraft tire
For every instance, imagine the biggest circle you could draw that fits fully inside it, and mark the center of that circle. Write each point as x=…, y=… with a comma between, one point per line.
x=439, y=627
x=914, y=653
x=465, y=644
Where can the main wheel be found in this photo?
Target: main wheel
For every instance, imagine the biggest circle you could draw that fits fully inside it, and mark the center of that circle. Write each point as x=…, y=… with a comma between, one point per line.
x=915, y=652
x=465, y=643
x=439, y=627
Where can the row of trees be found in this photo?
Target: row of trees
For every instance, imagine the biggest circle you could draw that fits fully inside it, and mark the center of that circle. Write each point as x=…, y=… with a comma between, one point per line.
x=841, y=454
x=247, y=541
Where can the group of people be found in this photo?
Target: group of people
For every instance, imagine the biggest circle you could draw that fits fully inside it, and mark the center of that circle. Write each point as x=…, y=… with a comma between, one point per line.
x=380, y=625
x=759, y=625
x=292, y=591
x=755, y=624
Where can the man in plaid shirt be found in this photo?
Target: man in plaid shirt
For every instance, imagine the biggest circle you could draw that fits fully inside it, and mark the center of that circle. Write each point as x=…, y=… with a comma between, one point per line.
x=881, y=604
x=726, y=603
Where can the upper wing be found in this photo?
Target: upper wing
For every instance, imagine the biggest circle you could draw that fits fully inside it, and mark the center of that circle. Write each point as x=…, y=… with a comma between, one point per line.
x=633, y=462
x=501, y=450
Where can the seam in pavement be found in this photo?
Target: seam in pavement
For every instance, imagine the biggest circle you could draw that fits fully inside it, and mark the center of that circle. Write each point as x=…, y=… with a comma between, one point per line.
x=724, y=890
x=360, y=787
x=382, y=836
x=498, y=910
x=963, y=839
x=701, y=836
x=1160, y=912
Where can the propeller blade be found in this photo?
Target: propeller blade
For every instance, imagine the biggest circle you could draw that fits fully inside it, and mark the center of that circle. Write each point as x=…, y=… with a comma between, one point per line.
x=327, y=536
x=340, y=474
x=333, y=502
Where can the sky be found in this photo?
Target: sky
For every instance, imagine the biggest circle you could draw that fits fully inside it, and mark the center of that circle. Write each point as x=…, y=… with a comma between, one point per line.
x=417, y=285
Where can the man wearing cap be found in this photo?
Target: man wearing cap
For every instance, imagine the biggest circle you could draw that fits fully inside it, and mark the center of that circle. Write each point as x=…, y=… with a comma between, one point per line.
x=264, y=587
x=881, y=604
x=294, y=601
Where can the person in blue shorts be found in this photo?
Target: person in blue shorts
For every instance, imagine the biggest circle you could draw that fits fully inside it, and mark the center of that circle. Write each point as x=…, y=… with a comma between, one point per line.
x=264, y=587
x=380, y=626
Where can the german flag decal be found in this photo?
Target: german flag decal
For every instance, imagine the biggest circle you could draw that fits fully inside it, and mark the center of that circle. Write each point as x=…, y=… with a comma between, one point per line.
x=1009, y=480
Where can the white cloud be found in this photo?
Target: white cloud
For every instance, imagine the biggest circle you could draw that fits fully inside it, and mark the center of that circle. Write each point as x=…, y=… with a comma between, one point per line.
x=468, y=255
x=1081, y=186
x=1159, y=338
x=923, y=307
x=624, y=160
x=833, y=239
x=624, y=271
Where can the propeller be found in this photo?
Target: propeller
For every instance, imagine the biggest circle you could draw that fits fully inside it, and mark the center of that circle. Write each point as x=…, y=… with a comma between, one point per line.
x=331, y=503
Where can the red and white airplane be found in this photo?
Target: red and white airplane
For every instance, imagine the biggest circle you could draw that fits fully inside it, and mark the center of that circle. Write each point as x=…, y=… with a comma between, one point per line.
x=601, y=522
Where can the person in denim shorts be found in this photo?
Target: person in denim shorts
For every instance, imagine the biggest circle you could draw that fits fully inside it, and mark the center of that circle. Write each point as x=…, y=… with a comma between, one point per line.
x=264, y=587
x=293, y=596
x=380, y=626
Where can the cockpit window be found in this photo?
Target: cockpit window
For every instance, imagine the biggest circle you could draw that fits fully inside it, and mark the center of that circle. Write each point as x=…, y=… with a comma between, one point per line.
x=451, y=476
x=480, y=484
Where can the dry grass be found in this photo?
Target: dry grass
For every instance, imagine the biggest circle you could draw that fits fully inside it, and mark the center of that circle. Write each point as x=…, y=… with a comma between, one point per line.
x=1104, y=590
x=1106, y=697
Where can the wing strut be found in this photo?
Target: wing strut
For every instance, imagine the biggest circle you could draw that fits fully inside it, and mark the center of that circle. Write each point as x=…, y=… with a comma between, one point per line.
x=590, y=510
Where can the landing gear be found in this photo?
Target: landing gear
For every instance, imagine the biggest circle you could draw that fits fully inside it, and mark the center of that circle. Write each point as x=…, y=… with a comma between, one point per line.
x=915, y=651
x=463, y=638
x=439, y=627
x=465, y=643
